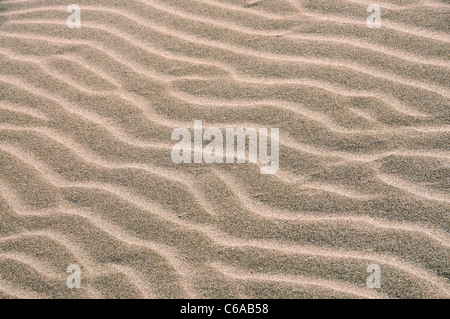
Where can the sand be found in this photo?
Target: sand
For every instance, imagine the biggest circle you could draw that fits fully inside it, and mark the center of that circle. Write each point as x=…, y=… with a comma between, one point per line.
x=86, y=117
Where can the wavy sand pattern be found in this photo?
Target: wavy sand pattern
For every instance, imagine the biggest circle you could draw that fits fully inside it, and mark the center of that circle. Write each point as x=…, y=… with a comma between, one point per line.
x=87, y=178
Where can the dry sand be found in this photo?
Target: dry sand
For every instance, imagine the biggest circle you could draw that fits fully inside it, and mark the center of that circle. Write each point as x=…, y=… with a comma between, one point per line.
x=86, y=177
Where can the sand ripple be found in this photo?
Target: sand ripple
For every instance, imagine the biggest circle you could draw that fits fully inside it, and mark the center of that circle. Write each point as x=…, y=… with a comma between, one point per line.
x=87, y=178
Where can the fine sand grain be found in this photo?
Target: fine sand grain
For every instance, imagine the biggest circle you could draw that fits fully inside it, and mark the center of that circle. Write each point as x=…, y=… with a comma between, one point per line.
x=86, y=175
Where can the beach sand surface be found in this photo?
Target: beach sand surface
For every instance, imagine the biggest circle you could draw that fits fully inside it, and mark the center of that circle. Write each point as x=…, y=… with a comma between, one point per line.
x=87, y=179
